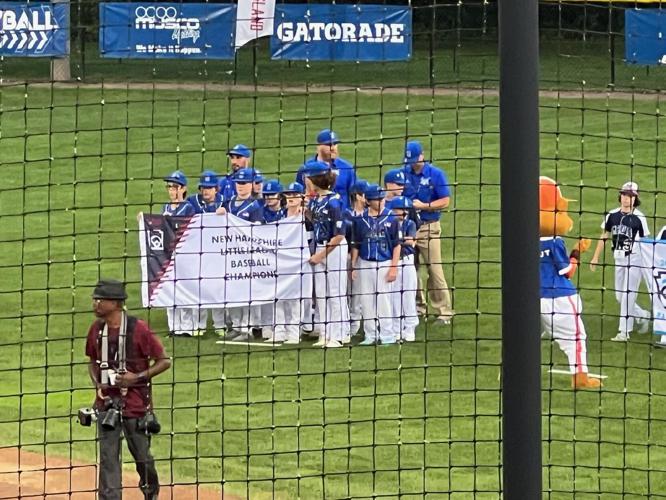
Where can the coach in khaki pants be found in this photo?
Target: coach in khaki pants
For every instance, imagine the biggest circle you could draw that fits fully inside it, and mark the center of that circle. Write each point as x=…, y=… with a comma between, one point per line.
x=428, y=187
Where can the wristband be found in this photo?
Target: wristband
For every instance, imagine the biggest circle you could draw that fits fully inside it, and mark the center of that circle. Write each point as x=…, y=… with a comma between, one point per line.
x=575, y=254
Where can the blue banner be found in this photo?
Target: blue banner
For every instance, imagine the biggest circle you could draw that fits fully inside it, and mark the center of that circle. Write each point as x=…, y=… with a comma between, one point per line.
x=34, y=29
x=167, y=30
x=342, y=32
x=644, y=43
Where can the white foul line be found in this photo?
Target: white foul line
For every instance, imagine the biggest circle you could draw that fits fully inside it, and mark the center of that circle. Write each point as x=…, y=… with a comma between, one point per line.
x=567, y=372
x=260, y=344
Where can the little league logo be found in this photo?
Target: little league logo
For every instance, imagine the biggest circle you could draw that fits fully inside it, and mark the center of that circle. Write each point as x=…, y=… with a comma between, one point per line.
x=660, y=281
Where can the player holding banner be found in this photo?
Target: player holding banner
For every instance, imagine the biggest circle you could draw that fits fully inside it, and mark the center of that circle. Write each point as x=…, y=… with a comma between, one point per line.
x=626, y=225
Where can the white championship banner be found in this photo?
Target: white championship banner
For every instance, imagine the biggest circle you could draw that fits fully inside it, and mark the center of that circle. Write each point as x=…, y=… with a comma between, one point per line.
x=213, y=261
x=653, y=257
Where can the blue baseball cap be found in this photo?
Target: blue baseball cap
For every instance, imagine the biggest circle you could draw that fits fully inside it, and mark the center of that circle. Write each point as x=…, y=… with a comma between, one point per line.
x=258, y=176
x=208, y=179
x=413, y=151
x=395, y=176
x=244, y=175
x=401, y=202
x=294, y=187
x=272, y=187
x=177, y=177
x=240, y=150
x=359, y=187
x=374, y=192
x=314, y=167
x=327, y=136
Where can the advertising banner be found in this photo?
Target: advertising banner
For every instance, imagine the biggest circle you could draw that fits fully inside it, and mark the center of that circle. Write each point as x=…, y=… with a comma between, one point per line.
x=34, y=29
x=644, y=42
x=329, y=32
x=254, y=19
x=167, y=30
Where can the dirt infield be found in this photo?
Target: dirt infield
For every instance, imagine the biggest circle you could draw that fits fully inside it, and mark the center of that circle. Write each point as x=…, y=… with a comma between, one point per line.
x=54, y=478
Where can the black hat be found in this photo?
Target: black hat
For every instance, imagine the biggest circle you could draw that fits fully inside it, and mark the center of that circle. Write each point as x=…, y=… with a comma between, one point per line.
x=109, y=289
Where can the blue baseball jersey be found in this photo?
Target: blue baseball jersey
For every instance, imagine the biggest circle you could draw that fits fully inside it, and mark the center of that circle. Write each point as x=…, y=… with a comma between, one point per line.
x=248, y=209
x=408, y=228
x=377, y=236
x=271, y=215
x=555, y=264
x=201, y=207
x=327, y=218
x=346, y=177
x=226, y=186
x=427, y=186
x=183, y=209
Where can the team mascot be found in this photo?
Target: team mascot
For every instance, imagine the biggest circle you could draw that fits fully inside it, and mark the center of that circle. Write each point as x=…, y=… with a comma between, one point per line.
x=561, y=306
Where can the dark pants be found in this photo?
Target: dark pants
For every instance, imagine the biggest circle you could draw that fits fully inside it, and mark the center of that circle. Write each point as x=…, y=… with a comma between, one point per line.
x=110, y=470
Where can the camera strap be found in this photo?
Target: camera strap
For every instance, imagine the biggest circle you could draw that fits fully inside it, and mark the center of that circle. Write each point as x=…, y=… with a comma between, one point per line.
x=122, y=358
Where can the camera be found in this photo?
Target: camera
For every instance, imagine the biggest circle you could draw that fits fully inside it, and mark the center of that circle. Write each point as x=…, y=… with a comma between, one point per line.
x=111, y=418
x=149, y=424
x=87, y=416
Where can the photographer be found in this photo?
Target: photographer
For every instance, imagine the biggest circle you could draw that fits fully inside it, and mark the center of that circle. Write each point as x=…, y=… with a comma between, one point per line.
x=120, y=348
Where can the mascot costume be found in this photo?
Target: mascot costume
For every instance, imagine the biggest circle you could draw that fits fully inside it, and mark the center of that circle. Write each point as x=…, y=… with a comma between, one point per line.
x=561, y=306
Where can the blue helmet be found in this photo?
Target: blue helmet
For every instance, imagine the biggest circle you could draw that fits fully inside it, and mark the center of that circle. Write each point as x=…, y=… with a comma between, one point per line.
x=272, y=187
x=314, y=167
x=401, y=202
x=258, y=176
x=240, y=150
x=359, y=187
x=208, y=179
x=374, y=192
x=294, y=187
x=395, y=176
x=244, y=175
x=177, y=177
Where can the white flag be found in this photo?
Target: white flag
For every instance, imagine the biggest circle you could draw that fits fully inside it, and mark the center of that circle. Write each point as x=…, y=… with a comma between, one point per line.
x=653, y=255
x=254, y=18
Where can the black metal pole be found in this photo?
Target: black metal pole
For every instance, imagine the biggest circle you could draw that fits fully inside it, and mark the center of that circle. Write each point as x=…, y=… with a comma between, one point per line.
x=519, y=171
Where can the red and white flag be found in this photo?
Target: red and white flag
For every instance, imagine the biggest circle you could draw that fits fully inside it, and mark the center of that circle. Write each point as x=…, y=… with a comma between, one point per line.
x=254, y=18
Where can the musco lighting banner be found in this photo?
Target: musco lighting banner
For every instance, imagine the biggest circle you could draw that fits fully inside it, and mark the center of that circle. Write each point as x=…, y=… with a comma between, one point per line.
x=34, y=29
x=167, y=30
x=342, y=32
x=644, y=41
x=218, y=261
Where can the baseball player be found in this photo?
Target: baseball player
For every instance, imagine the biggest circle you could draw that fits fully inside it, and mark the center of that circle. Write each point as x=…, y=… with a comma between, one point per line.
x=209, y=200
x=258, y=185
x=375, y=258
x=394, y=183
x=625, y=225
x=288, y=312
x=405, y=316
x=327, y=152
x=272, y=193
x=356, y=209
x=329, y=259
x=182, y=321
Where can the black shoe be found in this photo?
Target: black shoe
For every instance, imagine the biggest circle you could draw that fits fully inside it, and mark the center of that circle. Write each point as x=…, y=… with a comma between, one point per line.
x=256, y=333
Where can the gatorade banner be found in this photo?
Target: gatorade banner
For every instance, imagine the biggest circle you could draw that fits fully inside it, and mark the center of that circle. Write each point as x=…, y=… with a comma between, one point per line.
x=653, y=256
x=330, y=32
x=167, y=30
x=34, y=29
x=644, y=42
x=217, y=261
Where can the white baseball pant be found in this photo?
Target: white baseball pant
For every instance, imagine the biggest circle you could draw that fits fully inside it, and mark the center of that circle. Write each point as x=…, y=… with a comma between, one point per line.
x=330, y=283
x=561, y=319
x=628, y=274
x=403, y=300
x=354, y=295
x=287, y=320
x=376, y=300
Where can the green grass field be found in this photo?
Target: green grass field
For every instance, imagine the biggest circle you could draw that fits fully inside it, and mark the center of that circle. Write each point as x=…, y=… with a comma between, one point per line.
x=412, y=421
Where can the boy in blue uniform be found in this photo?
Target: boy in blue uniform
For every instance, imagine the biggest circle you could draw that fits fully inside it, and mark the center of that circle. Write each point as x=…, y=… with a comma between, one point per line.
x=327, y=152
x=272, y=193
x=329, y=257
x=183, y=321
x=428, y=188
x=394, y=183
x=405, y=318
x=246, y=207
x=375, y=258
x=357, y=201
x=239, y=157
x=209, y=200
